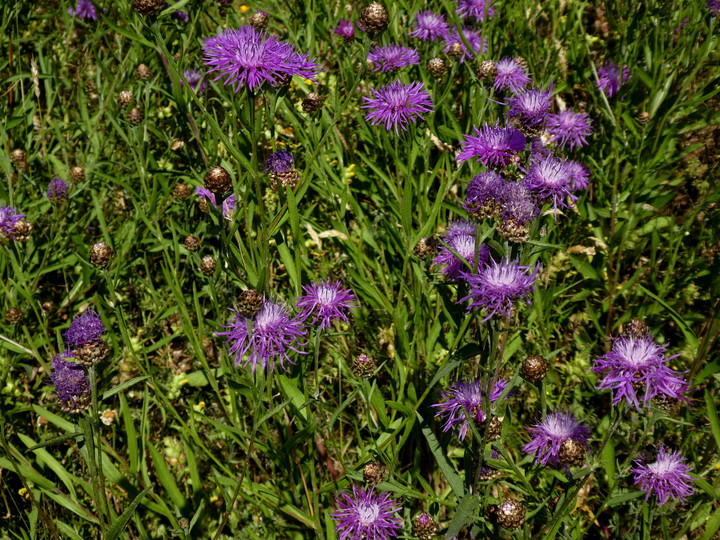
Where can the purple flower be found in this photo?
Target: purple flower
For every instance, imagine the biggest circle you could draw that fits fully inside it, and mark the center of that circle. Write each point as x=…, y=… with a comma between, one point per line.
x=530, y=108
x=518, y=204
x=87, y=328
x=346, y=29
x=267, y=337
x=391, y=58
x=397, y=104
x=84, y=10
x=9, y=217
x=463, y=404
x=248, y=57
x=459, y=227
x=463, y=243
x=579, y=175
x=550, y=178
x=429, y=26
x=179, y=14
x=57, y=190
x=568, y=128
x=497, y=286
x=326, y=302
x=548, y=436
x=638, y=364
x=229, y=206
x=474, y=39
x=205, y=193
x=196, y=80
x=668, y=477
x=713, y=6
x=366, y=515
x=484, y=194
x=611, y=78
x=510, y=75
x=478, y=9
x=71, y=383
x=493, y=146
x=279, y=162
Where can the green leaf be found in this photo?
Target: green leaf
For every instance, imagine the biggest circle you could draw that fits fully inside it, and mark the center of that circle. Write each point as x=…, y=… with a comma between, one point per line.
x=117, y=527
x=294, y=394
x=166, y=478
x=713, y=524
x=56, y=440
x=451, y=476
x=463, y=514
x=713, y=417
x=123, y=386
x=625, y=497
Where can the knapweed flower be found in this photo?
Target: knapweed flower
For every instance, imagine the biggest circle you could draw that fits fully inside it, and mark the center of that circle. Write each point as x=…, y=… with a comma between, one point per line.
x=179, y=14
x=531, y=107
x=497, y=286
x=71, y=383
x=429, y=26
x=229, y=205
x=485, y=195
x=510, y=75
x=265, y=338
x=57, y=190
x=455, y=43
x=611, y=78
x=637, y=365
x=196, y=80
x=518, y=210
x=579, y=175
x=84, y=10
x=366, y=515
x=346, y=29
x=549, y=435
x=549, y=178
x=279, y=162
x=477, y=9
x=464, y=245
x=713, y=6
x=248, y=57
x=668, y=477
x=326, y=302
x=9, y=217
x=391, y=58
x=568, y=128
x=84, y=338
x=493, y=146
x=462, y=404
x=397, y=104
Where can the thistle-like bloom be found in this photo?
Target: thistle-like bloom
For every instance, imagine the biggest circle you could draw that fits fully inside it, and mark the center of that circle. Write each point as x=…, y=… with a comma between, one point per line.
x=518, y=204
x=548, y=436
x=248, y=57
x=510, y=75
x=84, y=10
x=397, y=104
x=326, y=302
x=579, y=175
x=391, y=58
x=477, y=9
x=493, y=146
x=71, y=383
x=497, y=286
x=57, y=190
x=9, y=216
x=484, y=195
x=279, y=162
x=229, y=205
x=346, y=29
x=205, y=193
x=713, y=6
x=568, y=128
x=459, y=227
x=366, y=515
x=611, y=78
x=476, y=41
x=265, y=338
x=668, y=477
x=530, y=108
x=462, y=404
x=462, y=243
x=637, y=365
x=87, y=328
x=550, y=178
x=196, y=80
x=429, y=26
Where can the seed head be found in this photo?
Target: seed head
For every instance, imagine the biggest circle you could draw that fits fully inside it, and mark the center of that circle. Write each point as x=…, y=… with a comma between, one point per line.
x=363, y=366
x=217, y=180
x=572, y=453
x=486, y=71
x=77, y=174
x=148, y=8
x=14, y=315
x=312, y=103
x=143, y=72
x=374, y=18
x=208, y=265
x=374, y=473
x=250, y=303
x=125, y=97
x=534, y=368
x=437, y=67
x=182, y=191
x=426, y=247
x=100, y=254
x=425, y=527
x=510, y=514
x=259, y=20
x=135, y=116
x=192, y=243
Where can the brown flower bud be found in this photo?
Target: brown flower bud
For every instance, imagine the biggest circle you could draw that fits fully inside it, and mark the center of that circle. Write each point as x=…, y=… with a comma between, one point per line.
x=510, y=514
x=125, y=97
x=77, y=174
x=181, y=191
x=534, y=368
x=135, y=116
x=18, y=155
x=363, y=366
x=250, y=303
x=374, y=473
x=572, y=452
x=312, y=103
x=148, y=8
x=208, y=265
x=437, y=67
x=143, y=72
x=217, y=180
x=374, y=18
x=486, y=70
x=192, y=243
x=100, y=254
x=426, y=247
x=14, y=315
x=259, y=20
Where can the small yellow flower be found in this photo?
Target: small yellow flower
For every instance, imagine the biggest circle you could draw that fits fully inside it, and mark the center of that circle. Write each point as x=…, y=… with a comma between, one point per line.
x=244, y=8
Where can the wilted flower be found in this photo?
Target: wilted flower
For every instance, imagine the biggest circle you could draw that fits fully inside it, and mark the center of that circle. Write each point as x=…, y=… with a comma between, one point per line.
x=390, y=58
x=568, y=128
x=346, y=29
x=668, y=477
x=9, y=217
x=550, y=178
x=493, y=146
x=510, y=75
x=266, y=338
x=548, y=436
x=248, y=57
x=611, y=78
x=473, y=37
x=57, y=190
x=366, y=515
x=196, y=80
x=397, y=104
x=477, y=9
x=326, y=302
x=463, y=404
x=429, y=26
x=460, y=239
x=84, y=10
x=71, y=383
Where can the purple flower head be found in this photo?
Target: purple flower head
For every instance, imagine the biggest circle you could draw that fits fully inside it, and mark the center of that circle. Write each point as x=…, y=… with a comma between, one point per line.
x=668, y=477
x=9, y=217
x=713, y=6
x=568, y=128
x=579, y=175
x=248, y=57
x=57, y=190
x=497, y=286
x=611, y=78
x=196, y=80
x=366, y=515
x=460, y=239
x=459, y=227
x=477, y=9
x=87, y=328
x=279, y=162
x=265, y=338
x=346, y=29
x=71, y=383
x=550, y=178
x=429, y=26
x=84, y=10
x=485, y=190
x=548, y=436
x=510, y=75
x=473, y=37
x=518, y=204
x=493, y=146
x=530, y=108
x=397, y=104
x=326, y=302
x=463, y=404
x=205, y=193
x=391, y=58
x=229, y=206
x=638, y=365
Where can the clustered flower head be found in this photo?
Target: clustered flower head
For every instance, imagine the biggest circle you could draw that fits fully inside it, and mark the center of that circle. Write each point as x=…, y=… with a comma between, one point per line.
x=366, y=514
x=248, y=57
x=510, y=75
x=57, y=190
x=568, y=128
x=531, y=107
x=549, y=435
x=326, y=302
x=667, y=477
x=429, y=26
x=391, y=58
x=476, y=9
x=71, y=383
x=492, y=145
x=550, y=179
x=345, y=29
x=229, y=205
x=459, y=250
x=462, y=404
x=611, y=77
x=9, y=218
x=396, y=105
x=84, y=338
x=84, y=10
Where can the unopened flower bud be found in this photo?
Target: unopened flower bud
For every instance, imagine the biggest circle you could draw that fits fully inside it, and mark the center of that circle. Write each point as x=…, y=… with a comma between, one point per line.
x=312, y=103
x=259, y=20
x=100, y=254
x=14, y=315
x=374, y=18
x=217, y=180
x=124, y=98
x=77, y=174
x=374, y=473
x=437, y=67
x=534, y=368
x=192, y=243
x=208, y=265
x=143, y=72
x=250, y=303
